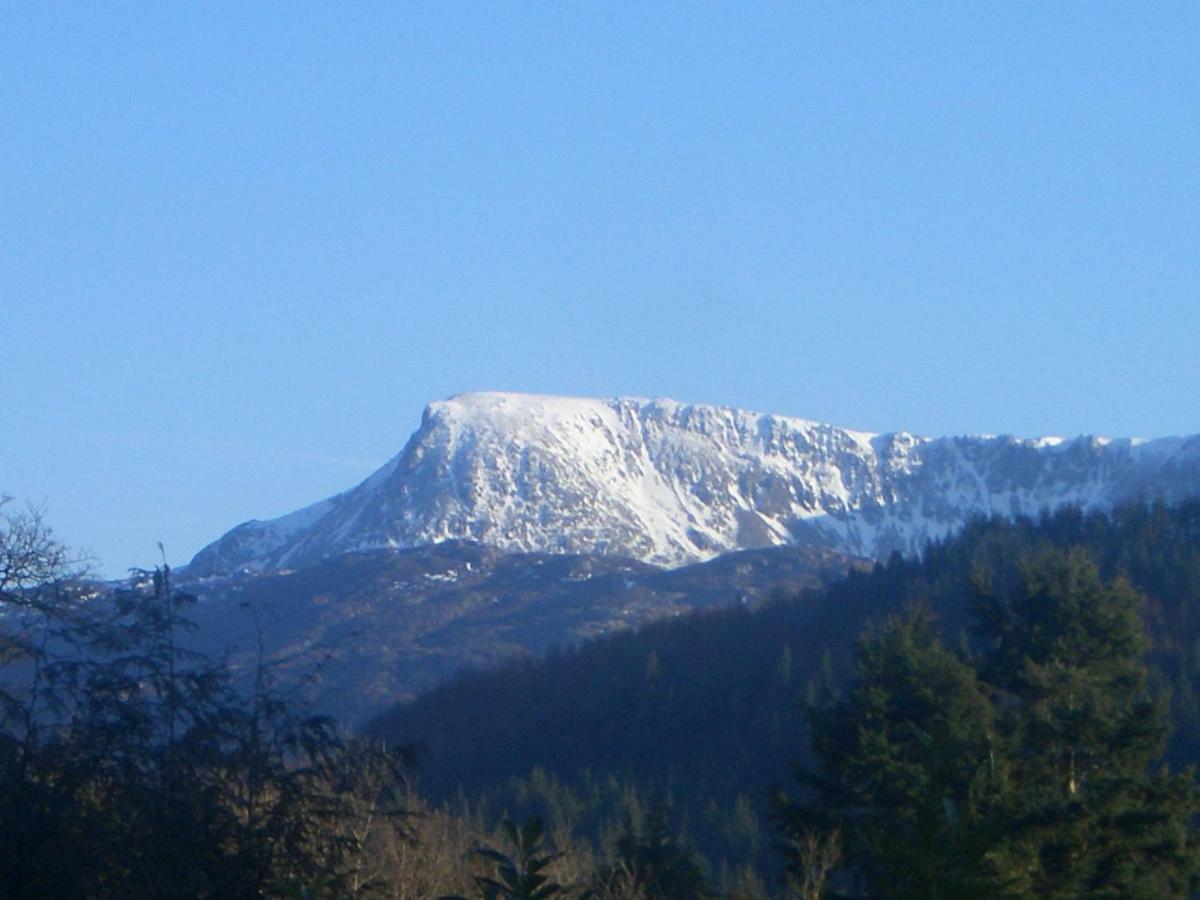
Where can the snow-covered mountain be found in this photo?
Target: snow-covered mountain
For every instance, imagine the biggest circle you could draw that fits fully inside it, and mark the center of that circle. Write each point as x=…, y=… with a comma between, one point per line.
x=669, y=483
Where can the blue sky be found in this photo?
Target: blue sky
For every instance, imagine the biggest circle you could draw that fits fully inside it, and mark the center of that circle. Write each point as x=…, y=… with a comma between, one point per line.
x=242, y=245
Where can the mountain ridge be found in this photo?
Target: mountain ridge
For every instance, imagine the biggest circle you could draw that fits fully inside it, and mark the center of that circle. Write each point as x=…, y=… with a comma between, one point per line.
x=360, y=631
x=670, y=483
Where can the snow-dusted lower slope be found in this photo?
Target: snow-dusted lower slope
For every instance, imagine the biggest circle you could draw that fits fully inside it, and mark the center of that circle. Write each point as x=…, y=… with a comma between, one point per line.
x=669, y=483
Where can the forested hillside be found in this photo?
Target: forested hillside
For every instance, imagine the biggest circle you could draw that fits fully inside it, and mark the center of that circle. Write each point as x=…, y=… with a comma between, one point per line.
x=986, y=721
x=707, y=712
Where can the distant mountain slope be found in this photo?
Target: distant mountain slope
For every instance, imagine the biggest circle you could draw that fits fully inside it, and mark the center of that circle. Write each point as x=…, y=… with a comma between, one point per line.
x=668, y=484
x=382, y=626
x=710, y=707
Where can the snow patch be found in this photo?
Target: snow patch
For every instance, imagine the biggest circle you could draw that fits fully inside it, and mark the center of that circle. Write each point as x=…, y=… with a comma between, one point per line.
x=670, y=483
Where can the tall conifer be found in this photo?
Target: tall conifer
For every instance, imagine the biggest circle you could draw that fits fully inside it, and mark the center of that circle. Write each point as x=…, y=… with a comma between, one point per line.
x=1088, y=815
x=909, y=774
x=1027, y=770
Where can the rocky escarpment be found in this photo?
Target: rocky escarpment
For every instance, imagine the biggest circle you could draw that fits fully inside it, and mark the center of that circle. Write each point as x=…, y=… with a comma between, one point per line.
x=669, y=483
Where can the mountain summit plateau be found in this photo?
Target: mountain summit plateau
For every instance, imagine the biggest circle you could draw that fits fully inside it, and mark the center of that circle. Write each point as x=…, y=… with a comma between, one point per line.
x=669, y=483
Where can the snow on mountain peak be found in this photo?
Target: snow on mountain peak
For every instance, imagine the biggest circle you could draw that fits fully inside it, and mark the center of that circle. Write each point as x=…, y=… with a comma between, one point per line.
x=670, y=483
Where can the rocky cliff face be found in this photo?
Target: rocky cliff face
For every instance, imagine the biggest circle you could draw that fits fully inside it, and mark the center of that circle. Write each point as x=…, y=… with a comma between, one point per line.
x=668, y=483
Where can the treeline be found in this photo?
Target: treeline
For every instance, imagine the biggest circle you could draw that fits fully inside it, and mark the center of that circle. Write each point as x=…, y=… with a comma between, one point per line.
x=985, y=721
x=131, y=767
x=1023, y=766
x=707, y=713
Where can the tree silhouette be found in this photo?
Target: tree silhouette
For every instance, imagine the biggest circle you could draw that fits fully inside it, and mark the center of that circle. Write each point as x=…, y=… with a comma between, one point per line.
x=130, y=765
x=1026, y=770
x=521, y=874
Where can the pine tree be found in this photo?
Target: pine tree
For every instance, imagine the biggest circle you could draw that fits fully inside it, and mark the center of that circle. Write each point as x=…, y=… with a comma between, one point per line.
x=131, y=767
x=1027, y=770
x=909, y=774
x=652, y=864
x=1087, y=815
x=520, y=876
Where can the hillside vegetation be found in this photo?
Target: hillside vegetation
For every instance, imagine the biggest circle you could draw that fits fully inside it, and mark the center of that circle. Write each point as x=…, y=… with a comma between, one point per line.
x=990, y=720
x=707, y=714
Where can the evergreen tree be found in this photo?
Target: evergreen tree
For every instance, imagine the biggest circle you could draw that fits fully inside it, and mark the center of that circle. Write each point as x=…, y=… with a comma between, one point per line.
x=1027, y=771
x=910, y=777
x=131, y=767
x=521, y=875
x=1087, y=816
x=652, y=864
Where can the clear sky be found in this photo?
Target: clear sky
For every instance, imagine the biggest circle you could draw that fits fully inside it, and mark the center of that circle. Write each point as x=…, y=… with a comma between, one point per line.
x=242, y=245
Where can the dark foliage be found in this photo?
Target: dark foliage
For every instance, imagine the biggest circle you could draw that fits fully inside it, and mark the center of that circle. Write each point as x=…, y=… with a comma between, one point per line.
x=1023, y=770
x=908, y=775
x=521, y=875
x=708, y=708
x=653, y=864
x=129, y=766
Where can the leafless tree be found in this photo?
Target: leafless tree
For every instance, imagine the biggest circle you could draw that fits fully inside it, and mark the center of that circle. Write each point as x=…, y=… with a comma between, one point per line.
x=31, y=557
x=818, y=854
